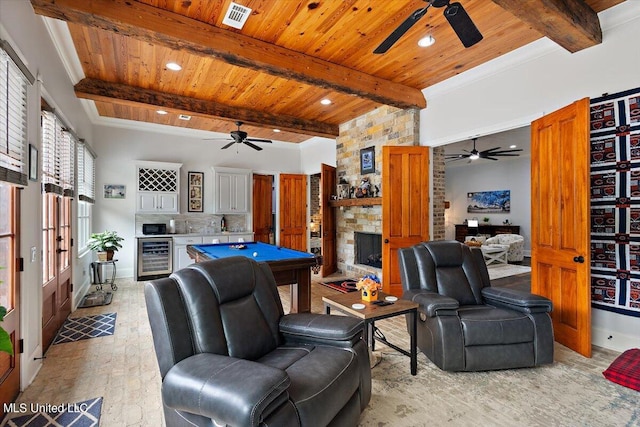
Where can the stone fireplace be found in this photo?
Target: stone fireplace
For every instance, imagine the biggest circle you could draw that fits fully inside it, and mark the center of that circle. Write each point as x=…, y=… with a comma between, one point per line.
x=383, y=126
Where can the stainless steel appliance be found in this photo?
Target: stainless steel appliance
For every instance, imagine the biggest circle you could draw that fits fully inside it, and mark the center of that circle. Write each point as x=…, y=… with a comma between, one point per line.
x=154, y=229
x=154, y=257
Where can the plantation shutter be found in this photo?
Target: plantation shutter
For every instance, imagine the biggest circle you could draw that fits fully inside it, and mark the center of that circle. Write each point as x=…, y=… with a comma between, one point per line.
x=58, y=155
x=14, y=78
x=86, y=174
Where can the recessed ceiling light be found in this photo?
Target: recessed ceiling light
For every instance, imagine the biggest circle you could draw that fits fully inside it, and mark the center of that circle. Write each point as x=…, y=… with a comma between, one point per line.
x=426, y=41
x=513, y=146
x=161, y=112
x=325, y=101
x=276, y=130
x=173, y=66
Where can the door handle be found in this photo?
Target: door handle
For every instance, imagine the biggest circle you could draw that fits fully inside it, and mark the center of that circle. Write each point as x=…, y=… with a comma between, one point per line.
x=579, y=259
x=62, y=250
x=386, y=240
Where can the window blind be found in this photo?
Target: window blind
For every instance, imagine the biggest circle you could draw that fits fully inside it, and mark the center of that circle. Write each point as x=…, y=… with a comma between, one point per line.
x=86, y=174
x=58, y=155
x=13, y=121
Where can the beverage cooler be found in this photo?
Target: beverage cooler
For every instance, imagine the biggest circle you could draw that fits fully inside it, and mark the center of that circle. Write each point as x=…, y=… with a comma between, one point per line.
x=154, y=257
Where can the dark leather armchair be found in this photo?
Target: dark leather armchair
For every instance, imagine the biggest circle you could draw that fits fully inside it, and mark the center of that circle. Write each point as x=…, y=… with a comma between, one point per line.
x=464, y=323
x=229, y=355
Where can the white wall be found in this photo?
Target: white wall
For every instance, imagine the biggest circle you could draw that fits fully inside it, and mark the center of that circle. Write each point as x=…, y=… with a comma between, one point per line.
x=316, y=151
x=508, y=93
x=29, y=37
x=119, y=148
x=513, y=175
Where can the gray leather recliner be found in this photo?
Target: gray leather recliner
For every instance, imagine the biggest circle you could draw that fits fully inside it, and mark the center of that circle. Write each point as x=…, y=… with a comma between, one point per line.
x=229, y=355
x=464, y=323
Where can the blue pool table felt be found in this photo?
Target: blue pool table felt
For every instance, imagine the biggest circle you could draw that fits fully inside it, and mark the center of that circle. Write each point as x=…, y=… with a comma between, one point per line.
x=265, y=252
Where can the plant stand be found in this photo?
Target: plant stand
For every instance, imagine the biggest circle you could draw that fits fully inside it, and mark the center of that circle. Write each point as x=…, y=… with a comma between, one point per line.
x=96, y=274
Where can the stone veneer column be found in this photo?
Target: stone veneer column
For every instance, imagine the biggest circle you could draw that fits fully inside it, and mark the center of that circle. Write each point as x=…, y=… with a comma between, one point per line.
x=383, y=126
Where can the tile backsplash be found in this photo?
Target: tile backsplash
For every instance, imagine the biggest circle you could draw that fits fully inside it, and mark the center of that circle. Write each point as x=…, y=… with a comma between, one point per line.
x=194, y=223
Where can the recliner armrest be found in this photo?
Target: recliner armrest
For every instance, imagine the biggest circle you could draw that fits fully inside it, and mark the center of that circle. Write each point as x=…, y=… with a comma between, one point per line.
x=517, y=300
x=432, y=304
x=321, y=328
x=216, y=386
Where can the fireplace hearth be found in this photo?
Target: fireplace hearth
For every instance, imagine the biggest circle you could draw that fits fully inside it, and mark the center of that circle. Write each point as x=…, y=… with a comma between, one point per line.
x=368, y=249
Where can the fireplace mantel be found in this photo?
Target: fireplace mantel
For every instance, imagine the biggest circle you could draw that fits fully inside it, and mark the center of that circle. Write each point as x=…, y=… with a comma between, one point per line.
x=364, y=201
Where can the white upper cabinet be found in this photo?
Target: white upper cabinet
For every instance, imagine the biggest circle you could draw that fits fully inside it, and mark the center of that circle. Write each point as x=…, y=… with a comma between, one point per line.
x=232, y=189
x=158, y=187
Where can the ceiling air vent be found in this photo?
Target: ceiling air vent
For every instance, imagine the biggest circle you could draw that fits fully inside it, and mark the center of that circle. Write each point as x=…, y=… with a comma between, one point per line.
x=236, y=15
x=184, y=117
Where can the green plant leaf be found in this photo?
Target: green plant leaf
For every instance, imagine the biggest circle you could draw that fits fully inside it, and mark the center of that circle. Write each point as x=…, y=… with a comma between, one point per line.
x=5, y=342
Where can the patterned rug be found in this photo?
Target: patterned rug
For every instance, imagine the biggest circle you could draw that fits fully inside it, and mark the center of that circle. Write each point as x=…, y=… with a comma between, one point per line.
x=498, y=271
x=82, y=328
x=342, y=285
x=80, y=414
x=560, y=394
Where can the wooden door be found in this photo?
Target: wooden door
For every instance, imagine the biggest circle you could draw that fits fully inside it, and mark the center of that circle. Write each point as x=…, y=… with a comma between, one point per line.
x=560, y=241
x=56, y=265
x=9, y=292
x=405, y=207
x=327, y=188
x=293, y=211
x=262, y=207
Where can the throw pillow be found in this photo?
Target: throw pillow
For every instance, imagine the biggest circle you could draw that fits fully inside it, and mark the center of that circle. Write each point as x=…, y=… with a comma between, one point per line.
x=625, y=370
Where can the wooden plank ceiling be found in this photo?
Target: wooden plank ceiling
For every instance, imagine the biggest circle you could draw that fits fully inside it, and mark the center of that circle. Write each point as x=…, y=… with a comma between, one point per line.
x=290, y=55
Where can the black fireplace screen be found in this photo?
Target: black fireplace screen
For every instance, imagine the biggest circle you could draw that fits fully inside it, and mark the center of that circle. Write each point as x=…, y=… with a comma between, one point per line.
x=368, y=249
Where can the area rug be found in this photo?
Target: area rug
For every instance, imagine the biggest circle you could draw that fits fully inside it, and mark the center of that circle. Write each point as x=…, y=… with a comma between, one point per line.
x=82, y=328
x=80, y=414
x=559, y=394
x=343, y=285
x=94, y=299
x=498, y=271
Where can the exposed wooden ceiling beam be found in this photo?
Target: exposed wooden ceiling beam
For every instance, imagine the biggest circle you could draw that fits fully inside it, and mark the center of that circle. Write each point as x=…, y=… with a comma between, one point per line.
x=570, y=23
x=98, y=90
x=175, y=31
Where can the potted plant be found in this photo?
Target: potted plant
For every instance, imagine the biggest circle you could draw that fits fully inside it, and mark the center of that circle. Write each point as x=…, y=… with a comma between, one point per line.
x=486, y=220
x=5, y=339
x=105, y=244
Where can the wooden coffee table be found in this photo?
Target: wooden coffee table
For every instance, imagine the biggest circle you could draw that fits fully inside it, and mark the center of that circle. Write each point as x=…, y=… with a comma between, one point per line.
x=497, y=254
x=372, y=312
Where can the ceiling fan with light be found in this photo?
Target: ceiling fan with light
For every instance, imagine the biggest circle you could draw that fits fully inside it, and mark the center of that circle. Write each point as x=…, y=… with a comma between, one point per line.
x=241, y=137
x=490, y=154
x=458, y=18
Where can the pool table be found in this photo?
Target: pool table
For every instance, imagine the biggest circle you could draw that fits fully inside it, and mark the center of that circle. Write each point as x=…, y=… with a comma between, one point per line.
x=289, y=267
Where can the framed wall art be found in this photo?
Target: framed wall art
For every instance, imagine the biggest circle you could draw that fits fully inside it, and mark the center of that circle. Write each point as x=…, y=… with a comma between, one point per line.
x=489, y=202
x=367, y=160
x=33, y=162
x=115, y=191
x=196, y=187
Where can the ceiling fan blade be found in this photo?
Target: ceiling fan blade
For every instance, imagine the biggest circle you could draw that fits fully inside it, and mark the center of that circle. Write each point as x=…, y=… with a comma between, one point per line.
x=402, y=28
x=228, y=145
x=503, y=153
x=489, y=158
x=258, y=140
x=462, y=24
x=254, y=146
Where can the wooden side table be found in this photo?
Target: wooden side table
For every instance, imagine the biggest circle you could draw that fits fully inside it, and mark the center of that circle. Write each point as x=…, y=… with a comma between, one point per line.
x=372, y=312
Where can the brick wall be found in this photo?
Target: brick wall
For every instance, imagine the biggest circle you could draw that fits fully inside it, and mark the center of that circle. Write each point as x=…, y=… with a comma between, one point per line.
x=438, y=185
x=382, y=126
